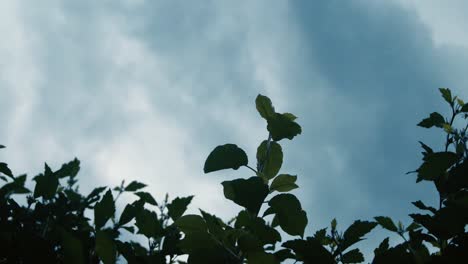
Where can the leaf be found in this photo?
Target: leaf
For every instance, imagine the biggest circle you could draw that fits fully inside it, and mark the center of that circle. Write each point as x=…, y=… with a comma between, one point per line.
x=270, y=162
x=283, y=254
x=413, y=226
x=191, y=223
x=147, y=198
x=435, y=165
x=291, y=217
x=128, y=214
x=148, y=224
x=178, y=206
x=105, y=247
x=95, y=192
x=134, y=186
x=309, y=251
x=249, y=193
x=1, y=146
x=227, y=156
x=69, y=169
x=464, y=108
x=282, y=127
x=104, y=210
x=46, y=184
x=355, y=232
x=419, y=204
x=215, y=225
x=434, y=119
x=387, y=223
x=264, y=106
x=72, y=248
x=446, y=94
x=353, y=256
x=426, y=148
x=284, y=183
x=257, y=226
x=261, y=257
x=5, y=170
x=383, y=246
x=290, y=116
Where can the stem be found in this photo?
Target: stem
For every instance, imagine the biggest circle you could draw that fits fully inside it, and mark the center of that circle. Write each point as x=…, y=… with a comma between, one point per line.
x=252, y=169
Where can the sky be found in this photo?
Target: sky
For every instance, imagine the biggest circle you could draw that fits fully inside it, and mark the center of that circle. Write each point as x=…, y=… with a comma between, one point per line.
x=144, y=90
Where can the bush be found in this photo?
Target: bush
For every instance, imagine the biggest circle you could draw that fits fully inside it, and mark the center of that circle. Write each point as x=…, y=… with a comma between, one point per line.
x=52, y=225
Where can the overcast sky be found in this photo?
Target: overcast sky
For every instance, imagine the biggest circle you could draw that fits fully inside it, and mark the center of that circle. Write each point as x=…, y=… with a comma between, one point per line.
x=144, y=90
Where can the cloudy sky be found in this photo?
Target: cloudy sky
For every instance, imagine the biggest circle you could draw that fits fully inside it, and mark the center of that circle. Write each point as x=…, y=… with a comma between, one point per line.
x=144, y=90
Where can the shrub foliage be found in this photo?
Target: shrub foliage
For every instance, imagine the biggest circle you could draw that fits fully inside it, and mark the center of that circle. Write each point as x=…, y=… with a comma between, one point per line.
x=58, y=224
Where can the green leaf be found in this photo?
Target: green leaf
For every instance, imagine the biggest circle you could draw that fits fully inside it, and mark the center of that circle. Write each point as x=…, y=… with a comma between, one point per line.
x=197, y=241
x=134, y=186
x=264, y=106
x=215, y=225
x=282, y=127
x=94, y=193
x=290, y=116
x=46, y=184
x=413, y=226
x=446, y=94
x=270, y=162
x=249, y=193
x=191, y=223
x=1, y=146
x=310, y=251
x=292, y=219
x=5, y=170
x=387, y=223
x=261, y=257
x=69, y=169
x=284, y=183
x=178, y=206
x=464, y=108
x=72, y=248
x=434, y=119
x=257, y=226
x=146, y=197
x=353, y=256
x=105, y=247
x=148, y=224
x=460, y=102
x=283, y=254
x=355, y=232
x=227, y=156
x=435, y=165
x=104, y=210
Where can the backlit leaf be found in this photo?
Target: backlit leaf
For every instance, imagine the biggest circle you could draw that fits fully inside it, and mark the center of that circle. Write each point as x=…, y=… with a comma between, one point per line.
x=227, y=156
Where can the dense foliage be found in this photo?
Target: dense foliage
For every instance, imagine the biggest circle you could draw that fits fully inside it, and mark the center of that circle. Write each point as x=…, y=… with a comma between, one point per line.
x=58, y=224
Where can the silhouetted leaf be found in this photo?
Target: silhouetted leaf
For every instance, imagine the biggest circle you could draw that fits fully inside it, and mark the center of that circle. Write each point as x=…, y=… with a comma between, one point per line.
x=271, y=162
x=261, y=257
x=191, y=223
x=46, y=184
x=104, y=210
x=290, y=116
x=128, y=214
x=310, y=251
x=178, y=206
x=446, y=94
x=413, y=226
x=283, y=254
x=95, y=192
x=291, y=217
x=355, y=232
x=284, y=183
x=134, y=186
x=69, y=169
x=264, y=106
x=227, y=156
x=434, y=119
x=387, y=223
x=105, y=247
x=249, y=193
x=72, y=248
x=1, y=146
x=282, y=127
x=435, y=165
x=383, y=246
x=426, y=148
x=353, y=256
x=5, y=170
x=419, y=204
x=147, y=198
x=215, y=224
x=148, y=224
